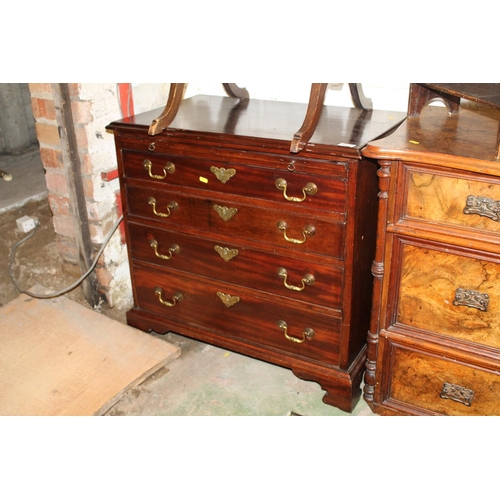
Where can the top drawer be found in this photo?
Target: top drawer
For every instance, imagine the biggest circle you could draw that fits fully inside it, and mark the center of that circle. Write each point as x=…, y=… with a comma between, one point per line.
x=296, y=188
x=452, y=197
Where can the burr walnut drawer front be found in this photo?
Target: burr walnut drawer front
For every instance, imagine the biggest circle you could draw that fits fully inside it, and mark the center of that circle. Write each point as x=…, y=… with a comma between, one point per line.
x=240, y=221
x=446, y=385
x=299, y=279
x=442, y=196
x=449, y=293
x=295, y=188
x=238, y=312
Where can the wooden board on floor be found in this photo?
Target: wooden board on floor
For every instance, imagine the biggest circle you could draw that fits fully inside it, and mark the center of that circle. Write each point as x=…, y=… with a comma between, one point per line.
x=58, y=357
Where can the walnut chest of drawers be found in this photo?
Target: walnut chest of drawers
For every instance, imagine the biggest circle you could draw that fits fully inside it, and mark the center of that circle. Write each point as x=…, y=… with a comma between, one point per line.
x=235, y=241
x=434, y=340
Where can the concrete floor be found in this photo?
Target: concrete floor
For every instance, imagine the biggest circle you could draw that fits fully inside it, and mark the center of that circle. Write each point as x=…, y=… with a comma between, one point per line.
x=204, y=380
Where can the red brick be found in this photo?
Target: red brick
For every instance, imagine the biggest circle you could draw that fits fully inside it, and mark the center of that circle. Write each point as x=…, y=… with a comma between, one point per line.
x=87, y=164
x=64, y=226
x=51, y=158
x=74, y=89
x=47, y=134
x=81, y=136
x=103, y=276
x=40, y=88
x=56, y=182
x=43, y=108
x=67, y=248
x=59, y=204
x=88, y=187
x=82, y=111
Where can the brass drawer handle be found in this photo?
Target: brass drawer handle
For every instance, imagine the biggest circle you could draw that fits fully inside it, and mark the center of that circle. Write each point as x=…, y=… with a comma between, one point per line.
x=223, y=174
x=307, y=334
x=308, y=231
x=457, y=393
x=171, y=206
x=486, y=207
x=226, y=253
x=169, y=168
x=228, y=300
x=308, y=279
x=175, y=299
x=471, y=298
x=171, y=251
x=225, y=213
x=309, y=189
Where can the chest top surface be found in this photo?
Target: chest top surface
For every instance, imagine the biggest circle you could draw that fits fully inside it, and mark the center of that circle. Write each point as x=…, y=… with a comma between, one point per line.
x=249, y=122
x=466, y=139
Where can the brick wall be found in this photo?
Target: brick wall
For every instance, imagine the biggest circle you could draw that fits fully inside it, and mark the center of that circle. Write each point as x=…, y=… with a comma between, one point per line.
x=93, y=105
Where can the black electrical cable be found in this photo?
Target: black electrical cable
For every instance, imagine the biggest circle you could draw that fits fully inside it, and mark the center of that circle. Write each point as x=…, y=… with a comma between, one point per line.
x=76, y=283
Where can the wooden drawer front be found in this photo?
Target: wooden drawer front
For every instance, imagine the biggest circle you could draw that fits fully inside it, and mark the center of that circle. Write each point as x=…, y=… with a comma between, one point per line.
x=217, y=259
x=438, y=196
x=239, y=222
x=246, y=315
x=302, y=189
x=441, y=385
x=430, y=297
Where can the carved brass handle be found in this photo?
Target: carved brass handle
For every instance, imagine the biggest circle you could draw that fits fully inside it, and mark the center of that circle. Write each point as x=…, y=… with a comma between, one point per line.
x=471, y=298
x=308, y=279
x=171, y=251
x=169, y=168
x=223, y=174
x=308, y=231
x=175, y=299
x=228, y=300
x=307, y=334
x=171, y=206
x=486, y=207
x=309, y=189
x=457, y=393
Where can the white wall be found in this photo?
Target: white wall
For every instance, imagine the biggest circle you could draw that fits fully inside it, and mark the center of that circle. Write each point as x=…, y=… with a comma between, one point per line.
x=389, y=96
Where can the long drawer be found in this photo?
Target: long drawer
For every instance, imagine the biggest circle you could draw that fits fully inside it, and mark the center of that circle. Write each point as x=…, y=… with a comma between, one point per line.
x=238, y=312
x=299, y=279
x=224, y=176
x=428, y=382
x=444, y=291
x=241, y=221
x=441, y=196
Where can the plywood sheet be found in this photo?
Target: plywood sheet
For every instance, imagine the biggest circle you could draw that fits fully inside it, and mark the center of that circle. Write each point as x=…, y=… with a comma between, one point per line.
x=58, y=357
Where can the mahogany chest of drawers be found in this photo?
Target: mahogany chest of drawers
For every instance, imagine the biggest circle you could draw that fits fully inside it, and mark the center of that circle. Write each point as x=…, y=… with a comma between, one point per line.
x=235, y=241
x=434, y=340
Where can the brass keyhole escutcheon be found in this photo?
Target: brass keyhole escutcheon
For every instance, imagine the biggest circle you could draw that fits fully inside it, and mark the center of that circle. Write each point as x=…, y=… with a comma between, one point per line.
x=226, y=253
x=223, y=174
x=225, y=213
x=228, y=300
